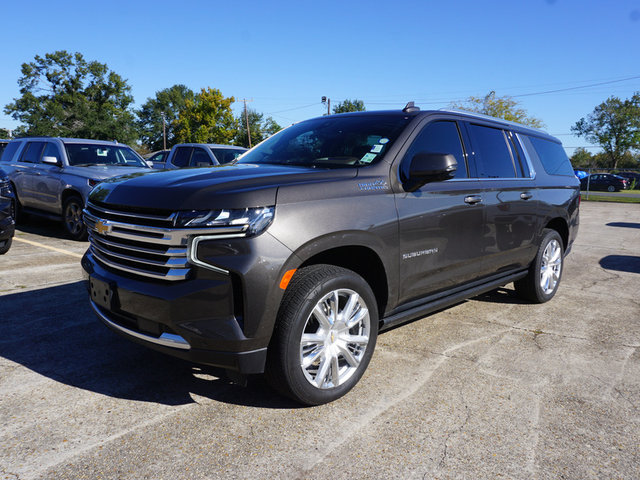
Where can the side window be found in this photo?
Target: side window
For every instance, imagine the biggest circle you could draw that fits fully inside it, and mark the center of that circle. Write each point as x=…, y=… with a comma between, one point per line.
x=437, y=137
x=522, y=168
x=552, y=156
x=51, y=150
x=494, y=158
x=32, y=152
x=182, y=156
x=8, y=153
x=200, y=157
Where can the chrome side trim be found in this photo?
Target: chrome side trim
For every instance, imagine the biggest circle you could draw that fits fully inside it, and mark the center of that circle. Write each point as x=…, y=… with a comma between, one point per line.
x=193, y=250
x=532, y=171
x=166, y=339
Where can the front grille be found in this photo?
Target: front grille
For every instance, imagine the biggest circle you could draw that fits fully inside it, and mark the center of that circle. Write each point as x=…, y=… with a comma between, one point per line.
x=143, y=242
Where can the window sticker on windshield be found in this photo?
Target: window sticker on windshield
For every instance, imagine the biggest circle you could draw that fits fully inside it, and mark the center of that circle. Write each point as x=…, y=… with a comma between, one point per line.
x=383, y=140
x=376, y=148
x=368, y=158
x=101, y=153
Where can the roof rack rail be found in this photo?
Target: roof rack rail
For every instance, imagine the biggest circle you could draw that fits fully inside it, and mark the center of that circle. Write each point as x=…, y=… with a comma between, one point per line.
x=489, y=117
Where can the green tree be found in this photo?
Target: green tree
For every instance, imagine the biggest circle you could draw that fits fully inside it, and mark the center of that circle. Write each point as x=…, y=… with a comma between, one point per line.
x=582, y=159
x=500, y=107
x=65, y=95
x=349, y=106
x=207, y=119
x=614, y=125
x=169, y=102
x=259, y=127
x=4, y=133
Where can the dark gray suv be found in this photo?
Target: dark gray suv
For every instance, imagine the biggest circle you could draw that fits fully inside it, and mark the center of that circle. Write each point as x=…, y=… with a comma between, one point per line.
x=52, y=177
x=291, y=260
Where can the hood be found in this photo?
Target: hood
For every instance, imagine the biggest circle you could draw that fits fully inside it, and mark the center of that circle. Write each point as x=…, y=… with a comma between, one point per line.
x=102, y=172
x=222, y=186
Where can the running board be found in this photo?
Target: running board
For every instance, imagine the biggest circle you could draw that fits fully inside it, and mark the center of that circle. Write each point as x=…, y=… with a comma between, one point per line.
x=442, y=302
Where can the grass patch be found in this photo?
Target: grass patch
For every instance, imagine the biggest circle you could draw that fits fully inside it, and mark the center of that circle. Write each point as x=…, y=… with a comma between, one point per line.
x=609, y=198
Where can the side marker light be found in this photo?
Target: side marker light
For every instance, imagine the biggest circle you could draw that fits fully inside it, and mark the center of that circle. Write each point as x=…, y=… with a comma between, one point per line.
x=286, y=278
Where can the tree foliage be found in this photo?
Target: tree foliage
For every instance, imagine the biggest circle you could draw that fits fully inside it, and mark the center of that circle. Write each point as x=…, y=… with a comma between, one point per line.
x=349, y=106
x=614, y=125
x=259, y=127
x=4, y=133
x=64, y=95
x=169, y=102
x=207, y=119
x=500, y=107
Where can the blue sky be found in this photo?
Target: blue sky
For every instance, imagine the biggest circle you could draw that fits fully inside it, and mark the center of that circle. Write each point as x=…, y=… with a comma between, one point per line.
x=286, y=55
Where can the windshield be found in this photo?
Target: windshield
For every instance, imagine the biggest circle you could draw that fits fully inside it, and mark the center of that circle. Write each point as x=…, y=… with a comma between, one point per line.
x=331, y=142
x=227, y=155
x=81, y=155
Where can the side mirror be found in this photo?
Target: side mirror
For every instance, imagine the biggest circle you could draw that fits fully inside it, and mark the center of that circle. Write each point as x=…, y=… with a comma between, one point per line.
x=51, y=161
x=430, y=167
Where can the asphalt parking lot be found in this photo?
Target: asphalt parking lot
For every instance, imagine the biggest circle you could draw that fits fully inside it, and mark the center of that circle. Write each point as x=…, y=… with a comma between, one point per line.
x=490, y=388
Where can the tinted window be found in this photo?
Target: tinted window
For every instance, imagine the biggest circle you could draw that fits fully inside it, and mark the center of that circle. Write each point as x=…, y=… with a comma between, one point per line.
x=552, y=156
x=8, y=153
x=438, y=137
x=200, y=157
x=51, y=150
x=522, y=168
x=227, y=155
x=493, y=155
x=182, y=156
x=32, y=152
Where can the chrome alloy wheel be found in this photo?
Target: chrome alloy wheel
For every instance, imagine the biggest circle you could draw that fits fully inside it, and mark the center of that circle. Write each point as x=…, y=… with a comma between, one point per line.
x=550, y=267
x=73, y=218
x=334, y=339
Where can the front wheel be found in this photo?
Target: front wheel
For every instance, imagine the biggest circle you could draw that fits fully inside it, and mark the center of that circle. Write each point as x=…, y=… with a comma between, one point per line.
x=5, y=245
x=611, y=188
x=325, y=335
x=543, y=279
x=72, y=218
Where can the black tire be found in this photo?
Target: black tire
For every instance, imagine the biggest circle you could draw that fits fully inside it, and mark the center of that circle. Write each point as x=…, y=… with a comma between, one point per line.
x=310, y=287
x=16, y=208
x=611, y=188
x=72, y=218
x=5, y=245
x=543, y=279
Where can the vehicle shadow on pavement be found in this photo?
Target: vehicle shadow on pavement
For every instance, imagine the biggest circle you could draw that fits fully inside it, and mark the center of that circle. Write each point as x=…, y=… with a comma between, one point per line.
x=54, y=333
x=623, y=224
x=501, y=295
x=621, y=263
x=42, y=226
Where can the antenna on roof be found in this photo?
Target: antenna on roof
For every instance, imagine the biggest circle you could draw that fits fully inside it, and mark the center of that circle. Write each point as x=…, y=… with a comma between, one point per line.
x=411, y=107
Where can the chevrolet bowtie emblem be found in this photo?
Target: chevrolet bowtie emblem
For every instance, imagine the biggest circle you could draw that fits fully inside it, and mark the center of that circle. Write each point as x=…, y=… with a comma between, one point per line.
x=102, y=227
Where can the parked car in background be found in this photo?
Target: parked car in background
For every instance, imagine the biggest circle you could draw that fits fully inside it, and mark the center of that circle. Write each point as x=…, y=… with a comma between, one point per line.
x=200, y=155
x=3, y=144
x=159, y=158
x=631, y=177
x=52, y=177
x=7, y=206
x=603, y=181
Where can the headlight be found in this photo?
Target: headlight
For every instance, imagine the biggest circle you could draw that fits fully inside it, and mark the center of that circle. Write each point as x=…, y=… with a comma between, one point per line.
x=255, y=220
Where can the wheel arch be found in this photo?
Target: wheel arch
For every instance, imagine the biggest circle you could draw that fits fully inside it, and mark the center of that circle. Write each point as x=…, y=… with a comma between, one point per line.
x=561, y=226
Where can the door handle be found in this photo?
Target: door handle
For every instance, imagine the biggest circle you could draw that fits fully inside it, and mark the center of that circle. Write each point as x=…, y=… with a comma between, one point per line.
x=525, y=195
x=472, y=199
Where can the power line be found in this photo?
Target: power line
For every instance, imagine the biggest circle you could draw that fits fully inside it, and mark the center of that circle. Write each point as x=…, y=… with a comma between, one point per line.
x=577, y=88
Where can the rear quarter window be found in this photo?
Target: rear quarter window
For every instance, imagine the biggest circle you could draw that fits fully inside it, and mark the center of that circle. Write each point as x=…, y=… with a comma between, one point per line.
x=9, y=151
x=552, y=156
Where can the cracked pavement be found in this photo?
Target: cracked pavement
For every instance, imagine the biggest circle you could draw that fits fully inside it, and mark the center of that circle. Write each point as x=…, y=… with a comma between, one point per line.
x=490, y=388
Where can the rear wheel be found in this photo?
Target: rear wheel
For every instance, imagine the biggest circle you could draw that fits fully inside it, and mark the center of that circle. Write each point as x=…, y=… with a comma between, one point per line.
x=611, y=188
x=543, y=279
x=5, y=245
x=325, y=335
x=72, y=218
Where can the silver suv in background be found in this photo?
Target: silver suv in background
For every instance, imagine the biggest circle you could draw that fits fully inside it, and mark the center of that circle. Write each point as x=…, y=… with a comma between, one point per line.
x=52, y=177
x=199, y=155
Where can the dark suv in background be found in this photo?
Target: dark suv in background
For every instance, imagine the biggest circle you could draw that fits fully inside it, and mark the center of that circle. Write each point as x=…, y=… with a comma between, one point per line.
x=7, y=226
x=52, y=177
x=291, y=260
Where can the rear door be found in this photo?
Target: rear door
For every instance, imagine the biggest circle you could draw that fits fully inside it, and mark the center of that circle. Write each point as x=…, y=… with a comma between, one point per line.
x=48, y=186
x=509, y=195
x=442, y=223
x=26, y=173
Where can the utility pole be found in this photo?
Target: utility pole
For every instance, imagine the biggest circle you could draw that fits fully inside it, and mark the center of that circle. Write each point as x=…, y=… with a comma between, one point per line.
x=327, y=100
x=246, y=119
x=164, y=131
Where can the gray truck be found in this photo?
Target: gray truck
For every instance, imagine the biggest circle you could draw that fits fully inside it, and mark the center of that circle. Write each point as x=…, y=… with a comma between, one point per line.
x=292, y=259
x=52, y=177
x=185, y=155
